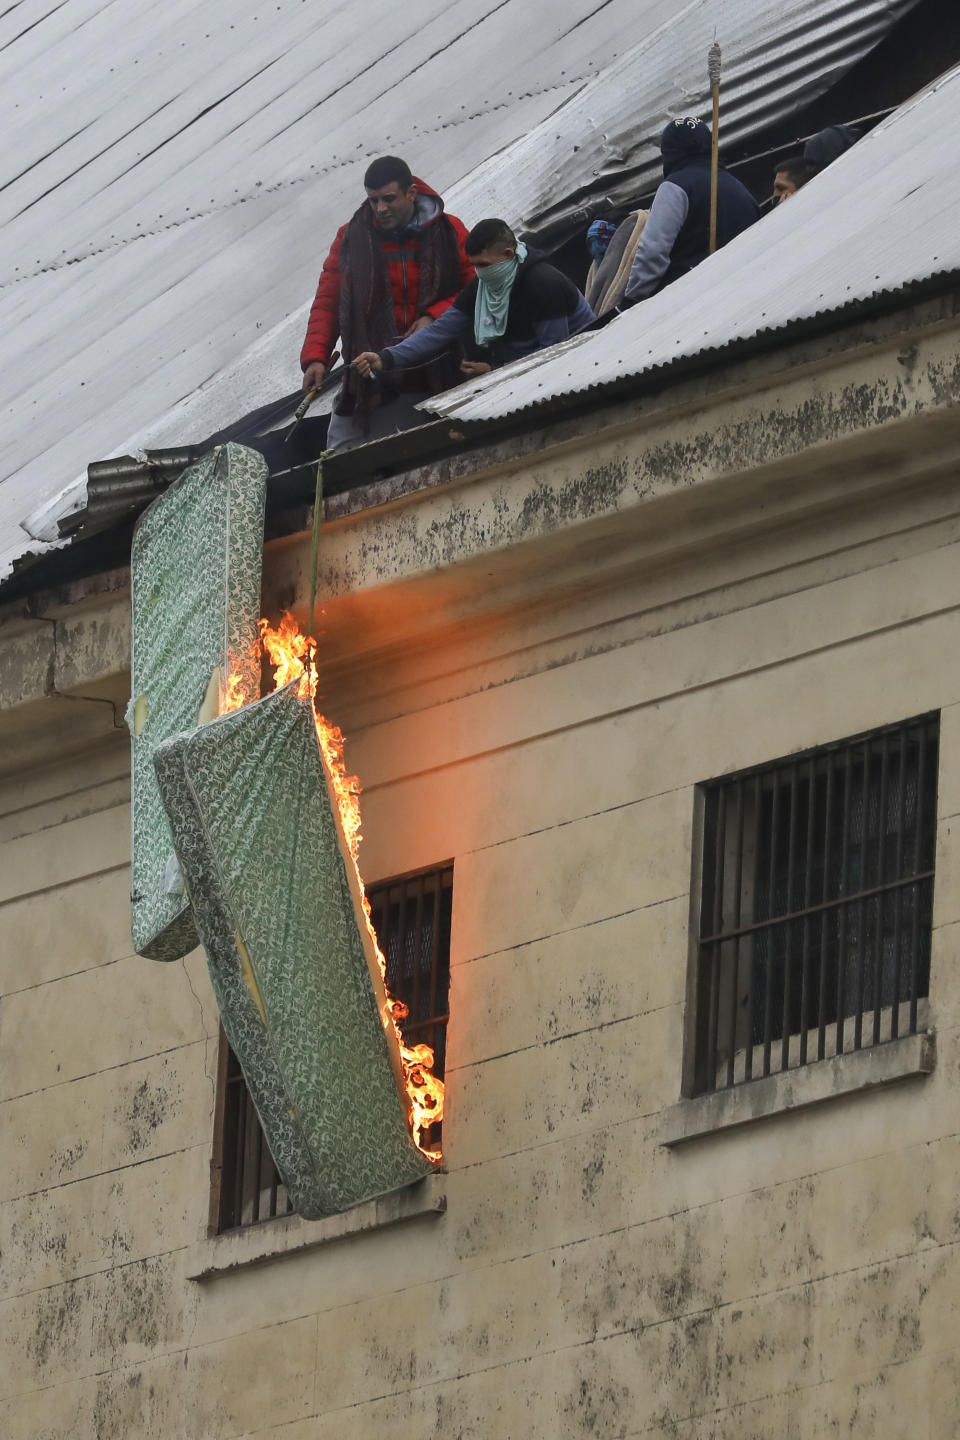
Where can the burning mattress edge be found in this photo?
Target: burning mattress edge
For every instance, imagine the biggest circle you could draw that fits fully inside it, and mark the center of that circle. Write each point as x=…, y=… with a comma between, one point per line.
x=257, y=832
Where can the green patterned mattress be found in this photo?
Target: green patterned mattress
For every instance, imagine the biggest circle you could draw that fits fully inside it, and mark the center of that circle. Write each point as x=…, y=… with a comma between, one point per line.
x=276, y=903
x=195, y=588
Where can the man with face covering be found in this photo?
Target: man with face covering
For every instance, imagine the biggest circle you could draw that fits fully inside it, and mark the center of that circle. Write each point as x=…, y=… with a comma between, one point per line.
x=517, y=303
x=677, y=233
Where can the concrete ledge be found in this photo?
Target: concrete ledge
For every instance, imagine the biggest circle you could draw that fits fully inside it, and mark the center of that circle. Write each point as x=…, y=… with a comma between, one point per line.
x=290, y=1234
x=812, y=1084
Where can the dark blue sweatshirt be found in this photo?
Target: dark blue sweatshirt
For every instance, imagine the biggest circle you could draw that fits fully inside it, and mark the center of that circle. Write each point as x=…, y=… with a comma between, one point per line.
x=677, y=233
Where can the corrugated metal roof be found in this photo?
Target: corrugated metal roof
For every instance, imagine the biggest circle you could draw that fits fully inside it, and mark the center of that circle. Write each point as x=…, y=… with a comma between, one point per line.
x=175, y=174
x=604, y=145
x=882, y=217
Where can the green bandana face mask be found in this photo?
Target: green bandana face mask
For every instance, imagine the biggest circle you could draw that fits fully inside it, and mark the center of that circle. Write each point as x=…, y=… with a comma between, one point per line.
x=493, y=297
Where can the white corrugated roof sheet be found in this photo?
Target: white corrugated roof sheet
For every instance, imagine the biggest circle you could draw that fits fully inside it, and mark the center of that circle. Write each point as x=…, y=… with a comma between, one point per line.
x=880, y=218
x=174, y=175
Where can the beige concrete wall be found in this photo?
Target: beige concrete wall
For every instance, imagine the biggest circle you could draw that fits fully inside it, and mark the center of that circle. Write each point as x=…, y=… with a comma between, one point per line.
x=797, y=1278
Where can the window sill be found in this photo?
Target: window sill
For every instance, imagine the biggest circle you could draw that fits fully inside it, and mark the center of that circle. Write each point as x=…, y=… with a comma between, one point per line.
x=812, y=1084
x=291, y=1234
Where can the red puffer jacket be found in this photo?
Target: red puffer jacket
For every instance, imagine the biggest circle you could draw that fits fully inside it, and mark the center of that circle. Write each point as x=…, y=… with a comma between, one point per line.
x=323, y=327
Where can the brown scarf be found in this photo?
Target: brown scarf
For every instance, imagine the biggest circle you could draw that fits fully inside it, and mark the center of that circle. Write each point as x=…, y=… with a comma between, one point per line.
x=367, y=320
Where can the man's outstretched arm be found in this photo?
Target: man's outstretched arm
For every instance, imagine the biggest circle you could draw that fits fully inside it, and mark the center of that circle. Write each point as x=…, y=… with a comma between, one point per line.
x=417, y=349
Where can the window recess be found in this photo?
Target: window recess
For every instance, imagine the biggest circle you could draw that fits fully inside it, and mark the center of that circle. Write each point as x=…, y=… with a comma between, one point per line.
x=411, y=916
x=816, y=892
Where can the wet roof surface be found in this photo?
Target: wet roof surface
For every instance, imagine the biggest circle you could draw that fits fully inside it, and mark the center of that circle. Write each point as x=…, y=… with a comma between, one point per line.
x=880, y=219
x=174, y=176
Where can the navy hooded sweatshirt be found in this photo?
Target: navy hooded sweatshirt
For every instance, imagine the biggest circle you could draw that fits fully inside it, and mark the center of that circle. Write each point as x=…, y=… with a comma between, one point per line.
x=677, y=233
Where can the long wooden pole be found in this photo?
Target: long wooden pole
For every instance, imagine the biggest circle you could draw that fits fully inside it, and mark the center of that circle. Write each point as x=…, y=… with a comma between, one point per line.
x=713, y=69
x=314, y=559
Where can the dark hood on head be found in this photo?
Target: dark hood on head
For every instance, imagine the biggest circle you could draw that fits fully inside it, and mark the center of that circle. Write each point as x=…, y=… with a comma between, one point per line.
x=683, y=140
x=829, y=144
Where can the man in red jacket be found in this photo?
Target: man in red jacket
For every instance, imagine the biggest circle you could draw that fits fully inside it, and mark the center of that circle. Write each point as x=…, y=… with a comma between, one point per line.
x=394, y=268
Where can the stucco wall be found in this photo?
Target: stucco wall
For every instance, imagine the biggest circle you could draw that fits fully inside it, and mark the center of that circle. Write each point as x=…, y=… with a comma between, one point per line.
x=797, y=1278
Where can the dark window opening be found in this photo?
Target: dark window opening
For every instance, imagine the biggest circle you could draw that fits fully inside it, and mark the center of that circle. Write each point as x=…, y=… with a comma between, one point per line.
x=411, y=916
x=816, y=905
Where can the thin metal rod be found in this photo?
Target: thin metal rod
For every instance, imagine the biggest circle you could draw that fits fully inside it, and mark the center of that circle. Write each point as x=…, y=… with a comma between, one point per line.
x=735, y=965
x=788, y=933
x=860, y=991
x=715, y=952
x=752, y=978
x=771, y=884
x=417, y=944
x=401, y=941
x=789, y=146
x=274, y=1185
x=824, y=928
x=258, y=1183
x=837, y=904
x=805, y=926
x=881, y=871
x=844, y=879
x=898, y=897
x=434, y=955
x=237, y=1217
x=411, y=1027
x=315, y=555
x=917, y=852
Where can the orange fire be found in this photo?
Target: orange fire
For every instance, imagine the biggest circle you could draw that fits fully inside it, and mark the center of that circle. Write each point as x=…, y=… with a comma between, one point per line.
x=233, y=697
x=291, y=654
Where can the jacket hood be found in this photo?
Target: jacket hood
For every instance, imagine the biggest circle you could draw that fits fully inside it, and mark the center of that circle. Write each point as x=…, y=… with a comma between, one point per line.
x=684, y=140
x=822, y=149
x=427, y=209
x=429, y=205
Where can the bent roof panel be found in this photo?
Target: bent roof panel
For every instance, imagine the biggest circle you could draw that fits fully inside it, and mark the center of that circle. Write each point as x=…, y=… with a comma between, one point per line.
x=175, y=174
x=881, y=218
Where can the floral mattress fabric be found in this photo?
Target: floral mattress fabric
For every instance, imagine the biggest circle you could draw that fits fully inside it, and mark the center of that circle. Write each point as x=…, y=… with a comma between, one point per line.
x=257, y=834
x=195, y=588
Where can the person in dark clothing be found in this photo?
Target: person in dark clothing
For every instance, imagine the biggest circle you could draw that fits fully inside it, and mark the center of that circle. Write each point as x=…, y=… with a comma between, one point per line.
x=828, y=145
x=789, y=176
x=677, y=234
x=392, y=269
x=516, y=303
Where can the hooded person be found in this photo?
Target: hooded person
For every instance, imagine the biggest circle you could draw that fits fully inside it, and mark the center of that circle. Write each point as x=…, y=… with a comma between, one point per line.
x=516, y=303
x=396, y=266
x=828, y=145
x=676, y=236
x=789, y=176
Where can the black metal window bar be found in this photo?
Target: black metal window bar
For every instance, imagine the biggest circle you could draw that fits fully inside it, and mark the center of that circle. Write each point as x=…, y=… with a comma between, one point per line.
x=816, y=905
x=411, y=916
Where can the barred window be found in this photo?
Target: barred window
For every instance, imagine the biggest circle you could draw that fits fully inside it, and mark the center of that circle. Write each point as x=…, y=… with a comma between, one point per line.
x=815, y=905
x=411, y=916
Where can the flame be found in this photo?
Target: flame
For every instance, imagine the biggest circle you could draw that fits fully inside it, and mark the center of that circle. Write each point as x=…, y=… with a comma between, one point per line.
x=292, y=655
x=243, y=682
x=233, y=697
